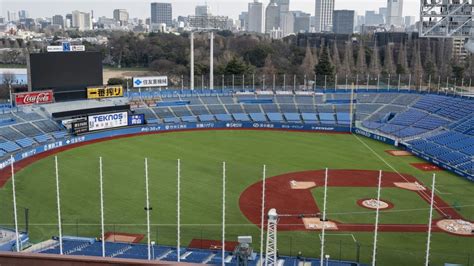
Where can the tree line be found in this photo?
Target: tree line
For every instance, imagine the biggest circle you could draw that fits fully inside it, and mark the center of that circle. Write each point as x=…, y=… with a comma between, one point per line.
x=246, y=54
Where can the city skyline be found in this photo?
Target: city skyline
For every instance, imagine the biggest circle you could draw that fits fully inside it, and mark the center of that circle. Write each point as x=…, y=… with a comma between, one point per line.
x=141, y=9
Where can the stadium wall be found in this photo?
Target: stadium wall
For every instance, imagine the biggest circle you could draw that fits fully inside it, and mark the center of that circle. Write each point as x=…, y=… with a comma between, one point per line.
x=15, y=258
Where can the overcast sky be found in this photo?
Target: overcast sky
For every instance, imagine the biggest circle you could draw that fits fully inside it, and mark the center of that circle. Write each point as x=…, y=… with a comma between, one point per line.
x=141, y=8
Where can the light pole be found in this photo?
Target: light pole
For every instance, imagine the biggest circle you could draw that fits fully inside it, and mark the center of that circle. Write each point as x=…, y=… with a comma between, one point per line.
x=153, y=250
x=327, y=259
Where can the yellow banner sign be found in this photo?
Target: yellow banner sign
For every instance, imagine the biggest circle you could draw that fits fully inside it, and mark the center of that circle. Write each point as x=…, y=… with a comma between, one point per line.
x=105, y=92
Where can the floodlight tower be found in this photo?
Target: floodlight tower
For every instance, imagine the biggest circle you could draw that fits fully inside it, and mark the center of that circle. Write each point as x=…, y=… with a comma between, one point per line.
x=271, y=249
x=447, y=19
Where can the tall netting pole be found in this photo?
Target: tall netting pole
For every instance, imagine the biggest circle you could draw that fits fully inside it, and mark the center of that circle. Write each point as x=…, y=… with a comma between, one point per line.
x=147, y=209
x=323, y=224
x=264, y=176
x=15, y=214
x=178, y=218
x=101, y=181
x=58, y=201
x=374, y=252
x=428, y=241
x=223, y=213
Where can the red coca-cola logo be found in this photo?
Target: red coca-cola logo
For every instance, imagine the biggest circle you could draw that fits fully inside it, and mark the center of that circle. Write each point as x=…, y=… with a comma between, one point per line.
x=40, y=97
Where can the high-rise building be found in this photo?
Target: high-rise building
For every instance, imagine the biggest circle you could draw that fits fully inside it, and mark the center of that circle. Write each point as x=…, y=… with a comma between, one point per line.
x=287, y=23
x=121, y=15
x=256, y=23
x=394, y=13
x=343, y=21
x=58, y=20
x=323, y=13
x=23, y=14
x=272, y=17
x=81, y=20
x=244, y=20
x=383, y=12
x=302, y=22
x=161, y=13
x=410, y=21
x=202, y=10
x=12, y=16
x=284, y=5
x=373, y=19
x=68, y=21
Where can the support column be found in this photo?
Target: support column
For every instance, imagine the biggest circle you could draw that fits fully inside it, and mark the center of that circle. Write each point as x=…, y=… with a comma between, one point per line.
x=191, y=78
x=211, y=64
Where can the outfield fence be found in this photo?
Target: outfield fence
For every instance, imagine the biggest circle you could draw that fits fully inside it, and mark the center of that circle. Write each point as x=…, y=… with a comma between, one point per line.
x=340, y=246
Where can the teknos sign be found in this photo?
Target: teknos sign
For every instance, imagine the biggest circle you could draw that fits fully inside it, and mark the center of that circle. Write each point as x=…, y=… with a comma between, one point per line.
x=36, y=97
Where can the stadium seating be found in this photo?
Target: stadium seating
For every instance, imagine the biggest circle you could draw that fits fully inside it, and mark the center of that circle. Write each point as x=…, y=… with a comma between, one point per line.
x=440, y=127
x=89, y=247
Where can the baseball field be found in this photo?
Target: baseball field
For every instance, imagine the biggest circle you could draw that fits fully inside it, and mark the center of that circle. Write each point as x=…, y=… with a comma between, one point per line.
x=295, y=163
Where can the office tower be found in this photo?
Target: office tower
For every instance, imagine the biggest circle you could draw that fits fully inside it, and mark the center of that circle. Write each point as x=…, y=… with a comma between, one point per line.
x=272, y=17
x=287, y=23
x=343, y=21
x=81, y=20
x=202, y=10
x=284, y=5
x=22, y=14
x=161, y=13
x=121, y=15
x=244, y=20
x=323, y=13
x=373, y=19
x=58, y=20
x=12, y=16
x=409, y=21
x=302, y=22
x=255, y=16
x=394, y=13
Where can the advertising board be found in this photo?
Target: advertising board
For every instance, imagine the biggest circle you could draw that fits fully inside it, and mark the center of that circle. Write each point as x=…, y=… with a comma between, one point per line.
x=107, y=121
x=100, y=92
x=157, y=81
x=37, y=97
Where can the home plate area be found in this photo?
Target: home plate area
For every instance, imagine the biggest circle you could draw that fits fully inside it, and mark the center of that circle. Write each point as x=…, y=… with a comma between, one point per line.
x=291, y=195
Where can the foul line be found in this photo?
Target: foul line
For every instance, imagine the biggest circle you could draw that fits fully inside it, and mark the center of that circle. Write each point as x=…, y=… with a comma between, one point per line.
x=352, y=235
x=424, y=195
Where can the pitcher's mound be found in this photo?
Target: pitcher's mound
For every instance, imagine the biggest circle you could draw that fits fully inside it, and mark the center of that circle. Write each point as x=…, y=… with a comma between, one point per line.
x=373, y=203
x=410, y=186
x=458, y=227
x=301, y=185
x=317, y=224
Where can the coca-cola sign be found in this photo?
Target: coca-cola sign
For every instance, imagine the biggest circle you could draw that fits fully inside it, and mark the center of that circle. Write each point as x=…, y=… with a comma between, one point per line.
x=37, y=97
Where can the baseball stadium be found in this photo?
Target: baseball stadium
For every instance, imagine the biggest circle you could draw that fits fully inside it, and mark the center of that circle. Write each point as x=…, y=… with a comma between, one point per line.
x=361, y=173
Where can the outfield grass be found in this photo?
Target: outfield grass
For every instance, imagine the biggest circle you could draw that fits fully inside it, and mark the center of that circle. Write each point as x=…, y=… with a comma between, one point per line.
x=245, y=152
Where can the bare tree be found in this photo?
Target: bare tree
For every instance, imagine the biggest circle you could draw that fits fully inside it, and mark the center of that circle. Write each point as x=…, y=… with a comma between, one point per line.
x=375, y=61
x=388, y=65
x=336, y=59
x=8, y=78
x=348, y=60
x=402, y=62
x=307, y=67
x=361, y=65
x=7, y=81
x=417, y=67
